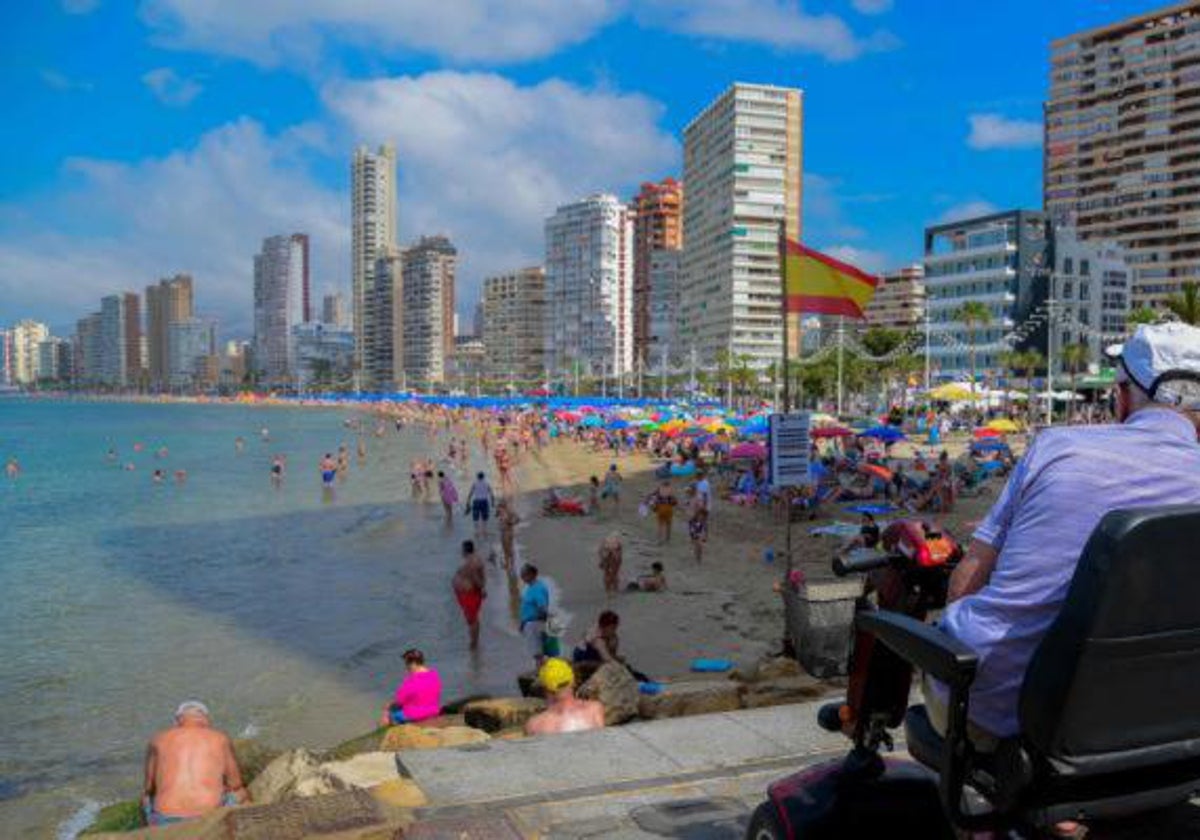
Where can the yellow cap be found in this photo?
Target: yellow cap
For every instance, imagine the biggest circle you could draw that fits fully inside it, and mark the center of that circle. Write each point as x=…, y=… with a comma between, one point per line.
x=556, y=674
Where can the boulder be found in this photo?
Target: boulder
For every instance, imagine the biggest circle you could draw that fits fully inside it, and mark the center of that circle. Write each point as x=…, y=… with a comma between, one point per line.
x=691, y=698
x=413, y=737
x=363, y=771
x=281, y=778
x=502, y=713
x=768, y=668
x=252, y=756
x=400, y=793
x=615, y=687
x=781, y=692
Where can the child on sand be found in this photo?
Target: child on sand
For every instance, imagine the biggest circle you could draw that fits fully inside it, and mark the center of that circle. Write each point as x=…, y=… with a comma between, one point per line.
x=610, y=562
x=656, y=581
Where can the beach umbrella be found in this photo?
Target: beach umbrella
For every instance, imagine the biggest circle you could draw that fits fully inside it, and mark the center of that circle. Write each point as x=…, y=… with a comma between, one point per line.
x=618, y=424
x=989, y=446
x=748, y=450
x=953, y=392
x=886, y=434
x=1004, y=425
x=591, y=421
x=830, y=432
x=985, y=432
x=876, y=470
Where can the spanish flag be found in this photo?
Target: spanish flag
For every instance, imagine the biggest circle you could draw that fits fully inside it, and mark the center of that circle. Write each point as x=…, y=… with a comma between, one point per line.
x=818, y=283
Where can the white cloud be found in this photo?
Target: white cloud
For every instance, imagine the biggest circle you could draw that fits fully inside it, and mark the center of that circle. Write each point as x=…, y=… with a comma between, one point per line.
x=171, y=88
x=873, y=262
x=60, y=81
x=273, y=32
x=824, y=209
x=966, y=210
x=996, y=131
x=485, y=160
x=80, y=7
x=204, y=210
x=472, y=31
x=871, y=7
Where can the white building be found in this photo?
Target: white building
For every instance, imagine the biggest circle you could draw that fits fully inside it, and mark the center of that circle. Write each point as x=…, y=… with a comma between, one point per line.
x=6, y=357
x=333, y=311
x=514, y=327
x=281, y=302
x=372, y=231
x=26, y=335
x=54, y=359
x=324, y=354
x=190, y=342
x=428, y=318
x=589, y=288
x=1091, y=292
x=112, y=342
x=742, y=160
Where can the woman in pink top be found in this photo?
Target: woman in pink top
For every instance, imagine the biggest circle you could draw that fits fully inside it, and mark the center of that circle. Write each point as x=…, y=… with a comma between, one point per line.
x=419, y=695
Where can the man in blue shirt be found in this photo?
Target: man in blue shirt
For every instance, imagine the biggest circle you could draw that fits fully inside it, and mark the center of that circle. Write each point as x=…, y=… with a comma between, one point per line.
x=535, y=610
x=1011, y=585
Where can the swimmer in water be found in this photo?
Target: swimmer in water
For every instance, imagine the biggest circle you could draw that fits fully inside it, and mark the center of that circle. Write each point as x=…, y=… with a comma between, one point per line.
x=158, y=476
x=161, y=453
x=239, y=443
x=277, y=471
x=328, y=471
x=265, y=434
x=112, y=455
x=362, y=450
x=180, y=476
x=138, y=447
x=343, y=462
x=13, y=468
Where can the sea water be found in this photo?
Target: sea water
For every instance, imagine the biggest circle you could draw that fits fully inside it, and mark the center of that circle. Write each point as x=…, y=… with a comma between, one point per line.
x=286, y=610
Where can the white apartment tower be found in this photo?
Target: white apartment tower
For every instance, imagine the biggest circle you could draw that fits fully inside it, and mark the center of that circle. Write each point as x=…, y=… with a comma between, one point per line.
x=372, y=231
x=281, y=302
x=742, y=159
x=25, y=337
x=428, y=310
x=589, y=288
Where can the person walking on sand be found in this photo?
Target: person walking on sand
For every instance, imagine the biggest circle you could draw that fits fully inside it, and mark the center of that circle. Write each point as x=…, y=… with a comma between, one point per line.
x=190, y=769
x=535, y=612
x=470, y=588
x=508, y=520
x=663, y=503
x=480, y=501
x=610, y=563
x=612, y=486
x=328, y=472
x=697, y=523
x=564, y=711
x=449, y=494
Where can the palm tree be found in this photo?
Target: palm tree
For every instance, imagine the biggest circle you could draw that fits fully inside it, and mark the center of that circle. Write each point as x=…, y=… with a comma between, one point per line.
x=1186, y=304
x=1029, y=362
x=1013, y=362
x=973, y=314
x=1141, y=315
x=1075, y=358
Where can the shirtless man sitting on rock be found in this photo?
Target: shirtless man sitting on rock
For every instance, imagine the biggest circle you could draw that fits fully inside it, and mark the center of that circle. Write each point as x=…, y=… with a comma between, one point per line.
x=190, y=769
x=564, y=712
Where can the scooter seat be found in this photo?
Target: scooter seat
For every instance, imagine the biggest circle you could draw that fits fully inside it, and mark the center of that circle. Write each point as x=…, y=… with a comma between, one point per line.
x=921, y=739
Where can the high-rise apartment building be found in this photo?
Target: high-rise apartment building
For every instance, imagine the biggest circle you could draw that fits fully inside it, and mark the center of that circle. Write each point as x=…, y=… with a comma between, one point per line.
x=589, y=288
x=1090, y=290
x=333, y=311
x=281, y=298
x=26, y=336
x=514, y=327
x=372, y=231
x=112, y=366
x=171, y=299
x=663, y=301
x=6, y=358
x=54, y=360
x=742, y=159
x=131, y=316
x=899, y=301
x=88, y=362
x=191, y=341
x=1122, y=154
x=383, y=326
x=657, y=212
x=428, y=318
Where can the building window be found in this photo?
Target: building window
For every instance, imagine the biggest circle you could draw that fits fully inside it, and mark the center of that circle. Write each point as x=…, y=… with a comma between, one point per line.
x=1068, y=265
x=1085, y=268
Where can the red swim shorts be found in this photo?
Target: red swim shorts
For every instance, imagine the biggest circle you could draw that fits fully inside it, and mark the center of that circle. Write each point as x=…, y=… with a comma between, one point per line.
x=471, y=602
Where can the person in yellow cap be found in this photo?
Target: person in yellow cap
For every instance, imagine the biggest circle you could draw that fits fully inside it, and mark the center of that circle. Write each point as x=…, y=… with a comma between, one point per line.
x=564, y=711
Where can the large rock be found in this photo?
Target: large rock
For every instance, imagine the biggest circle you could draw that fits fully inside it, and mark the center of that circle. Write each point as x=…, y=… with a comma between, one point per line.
x=616, y=689
x=252, y=756
x=413, y=737
x=783, y=691
x=691, y=698
x=278, y=780
x=502, y=713
x=400, y=793
x=363, y=771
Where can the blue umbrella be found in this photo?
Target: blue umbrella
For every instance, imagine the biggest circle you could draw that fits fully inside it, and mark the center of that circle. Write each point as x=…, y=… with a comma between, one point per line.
x=591, y=421
x=989, y=446
x=887, y=434
x=617, y=425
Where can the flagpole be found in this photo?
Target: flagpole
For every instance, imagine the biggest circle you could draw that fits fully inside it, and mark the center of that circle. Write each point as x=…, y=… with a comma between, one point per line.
x=787, y=378
x=841, y=333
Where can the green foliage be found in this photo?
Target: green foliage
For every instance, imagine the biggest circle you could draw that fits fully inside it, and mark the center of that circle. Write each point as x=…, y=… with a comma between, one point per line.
x=1186, y=304
x=122, y=816
x=1141, y=315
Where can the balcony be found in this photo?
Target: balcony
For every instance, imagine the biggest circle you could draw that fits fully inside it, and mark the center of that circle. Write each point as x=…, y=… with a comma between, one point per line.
x=974, y=275
x=1003, y=299
x=968, y=253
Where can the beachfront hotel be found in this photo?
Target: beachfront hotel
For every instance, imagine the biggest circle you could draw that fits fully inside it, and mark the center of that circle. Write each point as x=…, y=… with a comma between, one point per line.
x=589, y=288
x=514, y=326
x=168, y=301
x=657, y=212
x=281, y=302
x=372, y=231
x=742, y=159
x=427, y=320
x=1122, y=156
x=899, y=301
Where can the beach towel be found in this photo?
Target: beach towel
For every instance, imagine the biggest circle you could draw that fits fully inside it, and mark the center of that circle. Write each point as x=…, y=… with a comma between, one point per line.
x=874, y=510
x=837, y=529
x=711, y=666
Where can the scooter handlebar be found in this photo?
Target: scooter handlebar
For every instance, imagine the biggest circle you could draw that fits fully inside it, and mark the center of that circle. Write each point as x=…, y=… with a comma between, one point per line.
x=843, y=566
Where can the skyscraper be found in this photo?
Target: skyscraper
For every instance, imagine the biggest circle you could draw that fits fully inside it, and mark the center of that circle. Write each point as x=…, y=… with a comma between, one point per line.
x=742, y=161
x=26, y=336
x=383, y=335
x=372, y=230
x=333, y=310
x=167, y=301
x=111, y=363
x=428, y=318
x=589, y=287
x=281, y=298
x=87, y=363
x=6, y=357
x=1121, y=143
x=514, y=326
x=131, y=316
x=657, y=212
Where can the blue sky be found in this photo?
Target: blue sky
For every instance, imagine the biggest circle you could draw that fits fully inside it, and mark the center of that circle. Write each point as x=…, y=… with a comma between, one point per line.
x=145, y=138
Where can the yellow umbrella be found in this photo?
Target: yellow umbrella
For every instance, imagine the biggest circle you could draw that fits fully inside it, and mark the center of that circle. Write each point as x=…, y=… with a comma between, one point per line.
x=1004, y=425
x=953, y=393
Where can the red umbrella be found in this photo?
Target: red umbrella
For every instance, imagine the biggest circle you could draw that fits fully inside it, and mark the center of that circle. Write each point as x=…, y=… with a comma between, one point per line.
x=985, y=432
x=831, y=432
x=748, y=450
